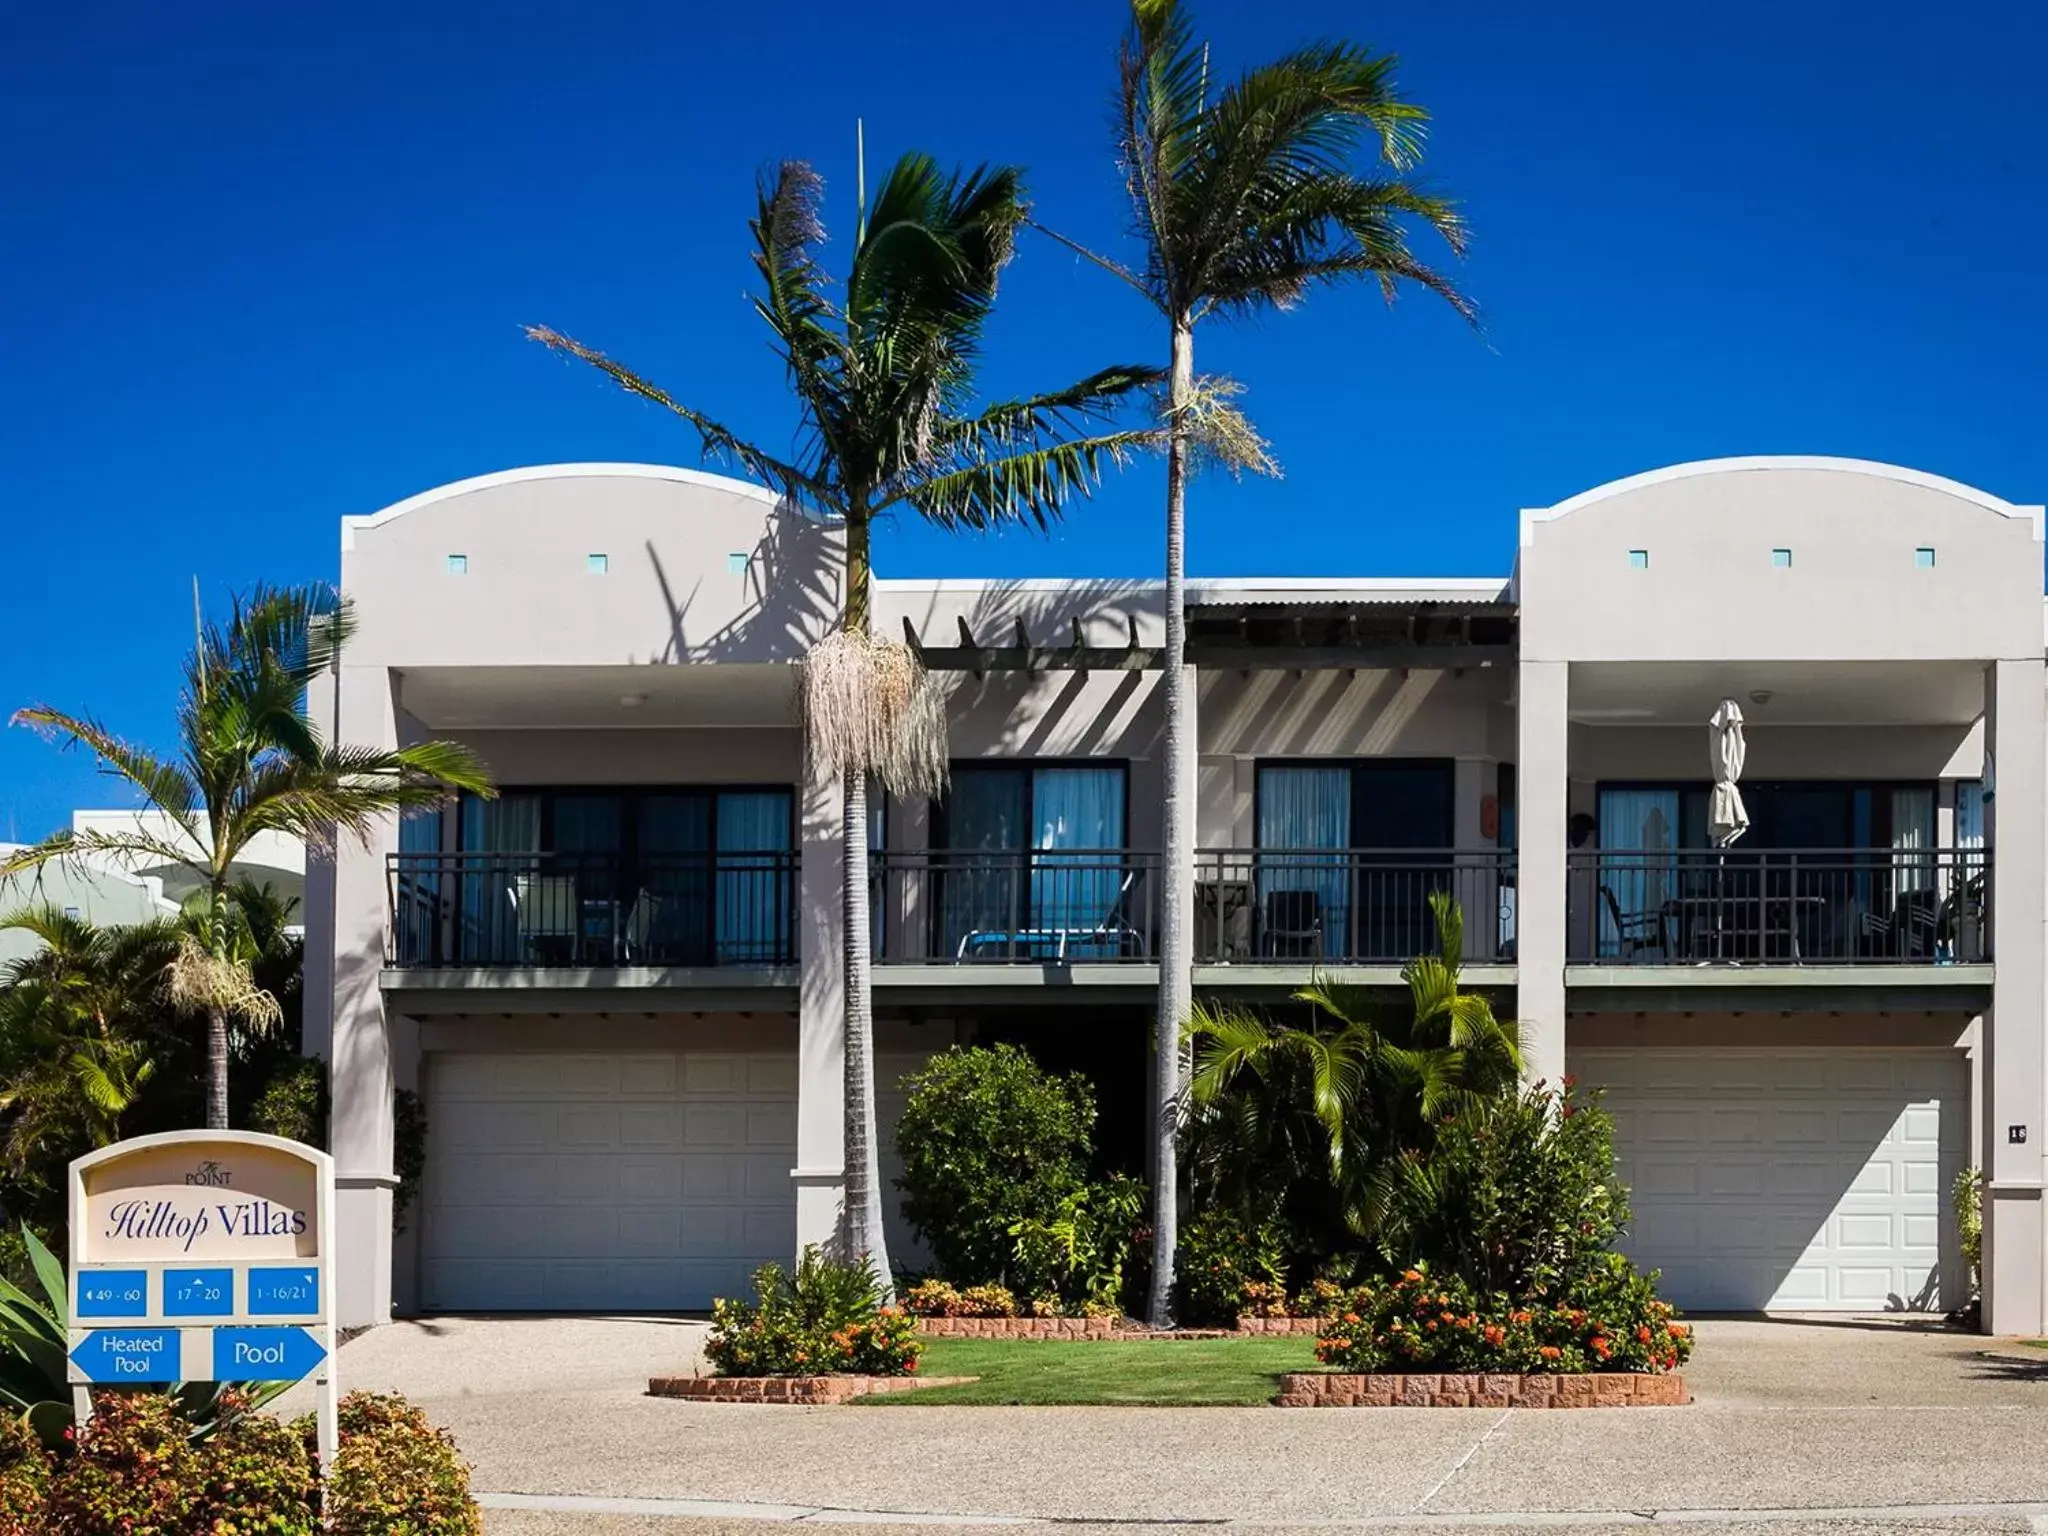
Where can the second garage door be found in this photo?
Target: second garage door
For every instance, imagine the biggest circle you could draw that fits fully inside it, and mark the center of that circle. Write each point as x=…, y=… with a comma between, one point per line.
x=604, y=1181
x=1789, y=1179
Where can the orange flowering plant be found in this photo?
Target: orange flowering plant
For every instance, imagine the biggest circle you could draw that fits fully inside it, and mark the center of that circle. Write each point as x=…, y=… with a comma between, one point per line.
x=1611, y=1320
x=825, y=1320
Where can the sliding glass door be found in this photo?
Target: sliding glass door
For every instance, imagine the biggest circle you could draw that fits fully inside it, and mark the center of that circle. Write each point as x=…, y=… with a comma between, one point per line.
x=1030, y=860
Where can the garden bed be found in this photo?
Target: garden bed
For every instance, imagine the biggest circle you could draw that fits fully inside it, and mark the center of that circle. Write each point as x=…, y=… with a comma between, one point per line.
x=1065, y=1330
x=1140, y=1372
x=1330, y=1389
x=816, y=1391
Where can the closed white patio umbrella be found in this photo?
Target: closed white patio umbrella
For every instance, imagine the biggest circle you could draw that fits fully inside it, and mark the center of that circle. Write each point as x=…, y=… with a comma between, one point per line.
x=1727, y=818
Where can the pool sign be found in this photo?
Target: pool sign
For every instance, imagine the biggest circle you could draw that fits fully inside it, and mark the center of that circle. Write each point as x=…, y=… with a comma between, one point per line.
x=203, y=1256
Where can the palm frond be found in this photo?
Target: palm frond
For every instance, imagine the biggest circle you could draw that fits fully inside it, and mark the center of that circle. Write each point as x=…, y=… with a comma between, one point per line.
x=787, y=229
x=83, y=848
x=1032, y=486
x=164, y=784
x=1161, y=130
x=348, y=790
x=717, y=443
x=1056, y=414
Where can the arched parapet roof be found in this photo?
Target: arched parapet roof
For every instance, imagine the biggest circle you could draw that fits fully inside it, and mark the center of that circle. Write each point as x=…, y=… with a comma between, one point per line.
x=352, y=525
x=1701, y=468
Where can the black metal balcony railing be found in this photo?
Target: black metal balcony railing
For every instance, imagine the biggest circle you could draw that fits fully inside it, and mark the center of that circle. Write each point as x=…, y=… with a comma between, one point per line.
x=1350, y=907
x=1767, y=906
x=942, y=906
x=576, y=909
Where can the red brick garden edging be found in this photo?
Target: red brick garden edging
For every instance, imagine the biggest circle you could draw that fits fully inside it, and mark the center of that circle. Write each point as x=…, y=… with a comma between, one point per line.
x=1281, y=1324
x=1020, y=1327
x=1326, y=1389
x=816, y=1390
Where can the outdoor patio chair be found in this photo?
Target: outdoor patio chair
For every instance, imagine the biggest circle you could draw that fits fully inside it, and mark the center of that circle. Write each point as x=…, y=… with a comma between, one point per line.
x=544, y=910
x=1637, y=932
x=1908, y=931
x=639, y=926
x=1113, y=927
x=1294, y=924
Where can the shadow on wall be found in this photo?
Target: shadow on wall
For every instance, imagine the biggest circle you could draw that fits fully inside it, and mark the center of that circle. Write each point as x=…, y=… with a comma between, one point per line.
x=795, y=577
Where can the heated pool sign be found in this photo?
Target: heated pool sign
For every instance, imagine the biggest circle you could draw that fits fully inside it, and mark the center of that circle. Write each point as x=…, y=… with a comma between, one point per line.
x=203, y=1256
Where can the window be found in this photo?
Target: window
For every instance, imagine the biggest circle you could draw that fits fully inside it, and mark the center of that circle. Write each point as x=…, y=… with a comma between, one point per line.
x=597, y=565
x=1348, y=853
x=1923, y=557
x=628, y=877
x=458, y=565
x=1032, y=853
x=1781, y=559
x=736, y=563
x=1639, y=559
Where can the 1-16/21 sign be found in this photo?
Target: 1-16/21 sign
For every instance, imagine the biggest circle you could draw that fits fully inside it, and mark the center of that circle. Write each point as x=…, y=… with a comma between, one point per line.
x=203, y=1256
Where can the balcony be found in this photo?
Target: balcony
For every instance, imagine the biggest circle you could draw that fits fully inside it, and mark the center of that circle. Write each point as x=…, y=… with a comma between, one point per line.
x=1035, y=906
x=1778, y=907
x=591, y=911
x=1349, y=907
x=1280, y=907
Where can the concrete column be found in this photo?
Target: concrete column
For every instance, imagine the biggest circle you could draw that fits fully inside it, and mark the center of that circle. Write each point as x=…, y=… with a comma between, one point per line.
x=355, y=1034
x=1474, y=886
x=1541, y=776
x=2015, y=1065
x=820, y=1173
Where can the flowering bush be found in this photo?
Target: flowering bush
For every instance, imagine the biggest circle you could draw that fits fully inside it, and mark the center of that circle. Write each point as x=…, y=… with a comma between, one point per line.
x=24, y=1481
x=1230, y=1268
x=1612, y=1321
x=936, y=1298
x=395, y=1474
x=259, y=1476
x=824, y=1320
x=132, y=1469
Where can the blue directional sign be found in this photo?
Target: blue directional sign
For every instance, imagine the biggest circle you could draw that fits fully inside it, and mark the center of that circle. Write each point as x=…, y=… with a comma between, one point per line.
x=199, y=1293
x=284, y=1292
x=112, y=1293
x=264, y=1354
x=120, y=1355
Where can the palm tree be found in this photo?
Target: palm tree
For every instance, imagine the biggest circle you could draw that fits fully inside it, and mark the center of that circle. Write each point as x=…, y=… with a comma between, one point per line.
x=80, y=1031
x=883, y=373
x=249, y=761
x=1367, y=1083
x=1242, y=203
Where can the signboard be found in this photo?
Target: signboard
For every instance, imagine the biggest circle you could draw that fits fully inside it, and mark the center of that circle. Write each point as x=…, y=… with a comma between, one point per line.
x=204, y=1256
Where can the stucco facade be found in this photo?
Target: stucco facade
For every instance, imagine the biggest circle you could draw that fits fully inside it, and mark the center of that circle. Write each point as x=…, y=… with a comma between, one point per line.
x=627, y=1038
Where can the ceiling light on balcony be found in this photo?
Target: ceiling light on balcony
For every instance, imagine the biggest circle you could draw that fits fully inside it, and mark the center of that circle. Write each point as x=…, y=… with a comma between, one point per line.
x=1760, y=697
x=632, y=700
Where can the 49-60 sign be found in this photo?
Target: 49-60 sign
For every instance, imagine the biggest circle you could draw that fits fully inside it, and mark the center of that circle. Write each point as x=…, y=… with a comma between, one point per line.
x=203, y=1256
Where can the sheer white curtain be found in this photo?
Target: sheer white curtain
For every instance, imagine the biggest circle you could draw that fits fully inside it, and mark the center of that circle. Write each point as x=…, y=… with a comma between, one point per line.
x=1636, y=826
x=1076, y=809
x=1303, y=810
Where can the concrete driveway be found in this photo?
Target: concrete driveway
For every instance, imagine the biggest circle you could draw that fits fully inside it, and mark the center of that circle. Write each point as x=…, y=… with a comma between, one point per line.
x=1838, y=1425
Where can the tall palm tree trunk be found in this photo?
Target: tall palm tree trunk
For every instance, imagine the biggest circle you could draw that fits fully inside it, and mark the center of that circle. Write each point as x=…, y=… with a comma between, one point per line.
x=216, y=1069
x=1176, y=959
x=864, y=1235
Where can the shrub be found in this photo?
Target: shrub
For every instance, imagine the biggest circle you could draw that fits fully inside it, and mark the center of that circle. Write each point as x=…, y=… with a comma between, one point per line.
x=258, y=1477
x=1228, y=1266
x=826, y=1319
x=408, y=1152
x=293, y=1103
x=24, y=1481
x=989, y=1139
x=133, y=1471
x=1080, y=1253
x=935, y=1298
x=1968, y=1198
x=1420, y=1322
x=396, y=1475
x=1517, y=1195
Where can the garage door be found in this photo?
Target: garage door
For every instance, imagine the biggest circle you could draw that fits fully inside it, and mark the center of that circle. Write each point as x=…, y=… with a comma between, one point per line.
x=605, y=1181
x=1796, y=1180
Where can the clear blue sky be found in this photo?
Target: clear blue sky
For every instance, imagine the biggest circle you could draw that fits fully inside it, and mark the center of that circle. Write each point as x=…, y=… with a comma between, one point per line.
x=262, y=266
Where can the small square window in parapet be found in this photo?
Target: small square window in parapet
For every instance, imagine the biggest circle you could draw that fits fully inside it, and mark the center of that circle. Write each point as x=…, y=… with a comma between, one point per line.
x=1639, y=559
x=458, y=565
x=597, y=565
x=736, y=564
x=1923, y=557
x=1781, y=559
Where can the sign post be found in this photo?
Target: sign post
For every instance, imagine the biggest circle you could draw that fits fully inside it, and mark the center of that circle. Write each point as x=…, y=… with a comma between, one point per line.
x=204, y=1256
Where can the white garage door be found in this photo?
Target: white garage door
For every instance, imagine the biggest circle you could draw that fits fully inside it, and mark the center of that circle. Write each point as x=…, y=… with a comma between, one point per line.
x=1789, y=1179
x=606, y=1180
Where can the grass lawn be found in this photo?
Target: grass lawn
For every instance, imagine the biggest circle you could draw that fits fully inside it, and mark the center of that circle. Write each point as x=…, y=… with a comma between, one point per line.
x=1192, y=1373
